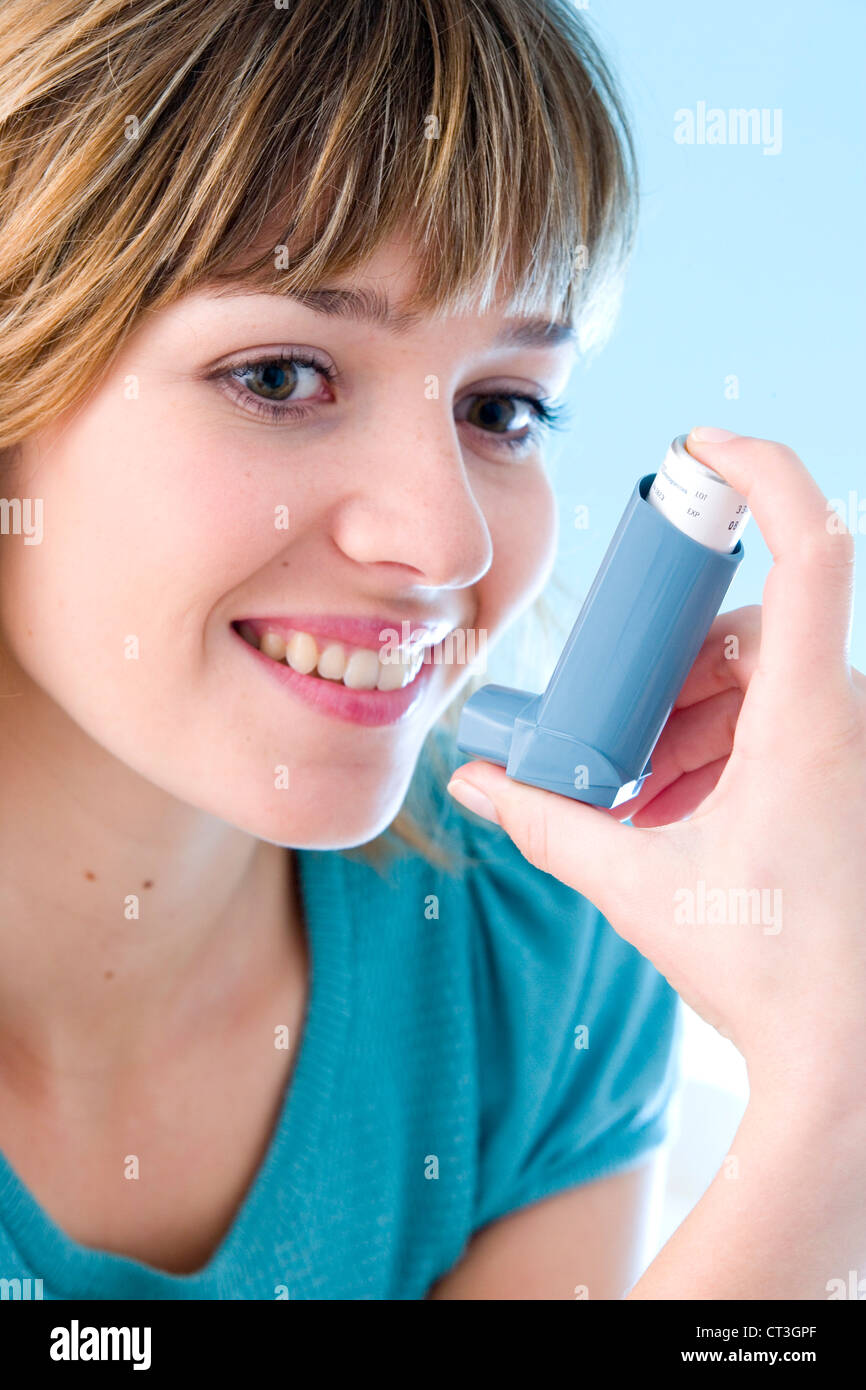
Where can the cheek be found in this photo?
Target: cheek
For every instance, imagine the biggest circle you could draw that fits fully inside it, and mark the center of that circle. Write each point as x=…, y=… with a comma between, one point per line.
x=523, y=528
x=148, y=525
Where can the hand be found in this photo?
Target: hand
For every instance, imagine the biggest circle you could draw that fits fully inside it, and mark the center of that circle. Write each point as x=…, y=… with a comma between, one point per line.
x=695, y=744
x=755, y=907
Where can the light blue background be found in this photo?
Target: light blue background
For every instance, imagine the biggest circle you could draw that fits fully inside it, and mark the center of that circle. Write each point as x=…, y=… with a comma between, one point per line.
x=746, y=264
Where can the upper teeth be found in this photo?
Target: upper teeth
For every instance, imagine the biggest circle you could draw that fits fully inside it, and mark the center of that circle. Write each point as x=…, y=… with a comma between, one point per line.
x=359, y=668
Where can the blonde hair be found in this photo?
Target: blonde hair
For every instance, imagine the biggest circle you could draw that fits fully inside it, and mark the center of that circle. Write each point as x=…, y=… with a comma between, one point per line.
x=145, y=146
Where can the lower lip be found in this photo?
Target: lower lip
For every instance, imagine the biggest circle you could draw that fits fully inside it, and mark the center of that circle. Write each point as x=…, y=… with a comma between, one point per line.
x=370, y=707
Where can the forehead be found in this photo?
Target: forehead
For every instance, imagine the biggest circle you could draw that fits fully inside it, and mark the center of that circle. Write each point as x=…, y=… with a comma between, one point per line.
x=381, y=289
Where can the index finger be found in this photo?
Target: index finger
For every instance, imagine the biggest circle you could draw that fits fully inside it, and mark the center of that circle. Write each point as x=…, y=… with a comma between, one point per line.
x=808, y=595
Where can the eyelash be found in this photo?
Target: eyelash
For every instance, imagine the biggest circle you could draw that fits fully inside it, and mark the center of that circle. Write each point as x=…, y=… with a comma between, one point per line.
x=548, y=417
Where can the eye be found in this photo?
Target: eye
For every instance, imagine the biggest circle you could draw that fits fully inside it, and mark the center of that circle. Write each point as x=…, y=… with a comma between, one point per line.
x=276, y=386
x=283, y=386
x=502, y=414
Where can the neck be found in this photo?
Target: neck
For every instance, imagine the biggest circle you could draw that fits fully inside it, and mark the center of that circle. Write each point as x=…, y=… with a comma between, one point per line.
x=128, y=919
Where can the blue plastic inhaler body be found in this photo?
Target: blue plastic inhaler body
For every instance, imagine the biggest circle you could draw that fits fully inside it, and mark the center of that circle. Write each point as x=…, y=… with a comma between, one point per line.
x=590, y=734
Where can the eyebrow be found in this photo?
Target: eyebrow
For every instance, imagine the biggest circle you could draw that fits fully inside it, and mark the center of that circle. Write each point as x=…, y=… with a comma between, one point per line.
x=371, y=306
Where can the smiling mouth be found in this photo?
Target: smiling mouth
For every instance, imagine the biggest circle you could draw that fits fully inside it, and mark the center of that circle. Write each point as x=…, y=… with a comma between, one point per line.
x=340, y=663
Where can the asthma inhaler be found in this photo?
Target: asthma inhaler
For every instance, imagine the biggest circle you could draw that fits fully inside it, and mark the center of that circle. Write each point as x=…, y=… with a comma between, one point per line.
x=590, y=734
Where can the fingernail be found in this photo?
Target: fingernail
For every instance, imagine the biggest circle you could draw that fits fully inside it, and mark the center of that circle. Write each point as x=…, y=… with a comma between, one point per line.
x=708, y=434
x=473, y=799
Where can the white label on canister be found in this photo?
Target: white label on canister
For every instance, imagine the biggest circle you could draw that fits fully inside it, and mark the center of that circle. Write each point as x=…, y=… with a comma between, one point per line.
x=697, y=500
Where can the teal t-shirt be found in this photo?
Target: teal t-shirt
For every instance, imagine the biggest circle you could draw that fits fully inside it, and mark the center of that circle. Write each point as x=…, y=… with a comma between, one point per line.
x=476, y=1039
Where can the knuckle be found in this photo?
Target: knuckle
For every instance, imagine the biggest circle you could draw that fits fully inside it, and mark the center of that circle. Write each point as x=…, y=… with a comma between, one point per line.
x=752, y=616
x=846, y=727
x=829, y=549
x=773, y=448
x=784, y=451
x=839, y=741
x=535, y=840
x=749, y=625
x=733, y=705
x=736, y=658
x=745, y=620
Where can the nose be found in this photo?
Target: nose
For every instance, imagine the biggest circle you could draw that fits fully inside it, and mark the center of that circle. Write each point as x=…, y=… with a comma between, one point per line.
x=412, y=504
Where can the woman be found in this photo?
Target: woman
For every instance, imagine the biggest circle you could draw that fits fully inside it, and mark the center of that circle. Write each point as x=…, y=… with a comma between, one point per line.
x=288, y=297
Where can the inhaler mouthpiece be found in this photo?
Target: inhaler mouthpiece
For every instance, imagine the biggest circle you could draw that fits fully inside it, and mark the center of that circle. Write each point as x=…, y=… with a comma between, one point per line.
x=590, y=734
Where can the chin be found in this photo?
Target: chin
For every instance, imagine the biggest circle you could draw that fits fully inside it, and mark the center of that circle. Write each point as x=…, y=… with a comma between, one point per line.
x=328, y=832
x=334, y=814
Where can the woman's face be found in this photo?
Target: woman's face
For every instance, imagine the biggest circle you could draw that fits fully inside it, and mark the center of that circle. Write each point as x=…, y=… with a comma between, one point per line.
x=189, y=510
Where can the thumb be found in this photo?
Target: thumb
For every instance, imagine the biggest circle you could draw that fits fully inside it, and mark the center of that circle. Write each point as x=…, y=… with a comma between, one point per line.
x=584, y=846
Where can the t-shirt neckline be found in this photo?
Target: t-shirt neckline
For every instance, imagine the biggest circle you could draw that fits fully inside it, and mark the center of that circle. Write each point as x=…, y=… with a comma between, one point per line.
x=70, y=1269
